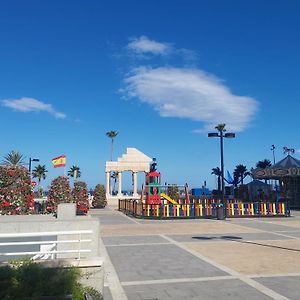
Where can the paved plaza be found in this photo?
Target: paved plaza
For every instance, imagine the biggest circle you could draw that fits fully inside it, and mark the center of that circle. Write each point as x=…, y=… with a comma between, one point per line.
x=256, y=258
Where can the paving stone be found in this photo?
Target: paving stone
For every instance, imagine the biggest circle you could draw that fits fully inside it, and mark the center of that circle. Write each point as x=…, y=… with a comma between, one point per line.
x=107, y=294
x=213, y=290
x=260, y=224
x=287, y=286
x=134, y=263
x=139, y=257
x=258, y=257
x=133, y=239
x=295, y=234
x=116, y=219
x=223, y=237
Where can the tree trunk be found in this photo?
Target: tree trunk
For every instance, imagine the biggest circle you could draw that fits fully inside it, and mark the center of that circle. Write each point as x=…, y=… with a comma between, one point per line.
x=112, y=149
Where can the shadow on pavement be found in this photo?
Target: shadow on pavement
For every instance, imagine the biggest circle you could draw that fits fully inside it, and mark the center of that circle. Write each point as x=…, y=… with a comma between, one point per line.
x=240, y=240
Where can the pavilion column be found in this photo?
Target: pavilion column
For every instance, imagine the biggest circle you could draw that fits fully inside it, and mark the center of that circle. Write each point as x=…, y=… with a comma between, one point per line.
x=120, y=184
x=107, y=184
x=135, y=194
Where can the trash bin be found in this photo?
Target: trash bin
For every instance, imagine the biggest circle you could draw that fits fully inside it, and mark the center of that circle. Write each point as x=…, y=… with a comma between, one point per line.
x=220, y=212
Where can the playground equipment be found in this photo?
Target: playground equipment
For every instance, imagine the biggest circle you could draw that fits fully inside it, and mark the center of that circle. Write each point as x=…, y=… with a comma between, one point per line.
x=155, y=203
x=168, y=198
x=204, y=209
x=155, y=193
x=153, y=188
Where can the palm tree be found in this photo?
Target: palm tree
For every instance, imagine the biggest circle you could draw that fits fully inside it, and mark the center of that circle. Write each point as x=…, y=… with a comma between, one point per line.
x=13, y=158
x=263, y=164
x=221, y=127
x=114, y=176
x=216, y=171
x=239, y=173
x=39, y=172
x=112, y=134
x=74, y=172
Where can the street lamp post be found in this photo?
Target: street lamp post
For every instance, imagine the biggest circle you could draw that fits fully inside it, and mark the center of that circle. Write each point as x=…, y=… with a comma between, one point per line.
x=221, y=134
x=273, y=150
x=274, y=182
x=30, y=162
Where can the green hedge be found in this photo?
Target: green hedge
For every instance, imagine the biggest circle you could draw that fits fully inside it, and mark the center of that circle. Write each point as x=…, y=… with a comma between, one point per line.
x=30, y=280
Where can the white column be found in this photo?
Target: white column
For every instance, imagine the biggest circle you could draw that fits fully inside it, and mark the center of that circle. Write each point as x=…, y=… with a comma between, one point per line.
x=120, y=184
x=135, y=194
x=107, y=184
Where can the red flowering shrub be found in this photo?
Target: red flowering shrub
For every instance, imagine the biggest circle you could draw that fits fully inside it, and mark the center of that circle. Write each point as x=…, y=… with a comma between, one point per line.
x=80, y=196
x=59, y=192
x=16, y=196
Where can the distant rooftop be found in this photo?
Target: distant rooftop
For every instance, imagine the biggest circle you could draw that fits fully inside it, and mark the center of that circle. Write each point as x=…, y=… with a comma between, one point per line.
x=287, y=162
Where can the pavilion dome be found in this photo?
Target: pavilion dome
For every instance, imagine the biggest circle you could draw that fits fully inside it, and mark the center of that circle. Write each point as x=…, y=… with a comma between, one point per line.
x=287, y=162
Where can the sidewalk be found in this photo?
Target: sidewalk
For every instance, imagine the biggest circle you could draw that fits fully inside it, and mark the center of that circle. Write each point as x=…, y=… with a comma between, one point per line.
x=200, y=259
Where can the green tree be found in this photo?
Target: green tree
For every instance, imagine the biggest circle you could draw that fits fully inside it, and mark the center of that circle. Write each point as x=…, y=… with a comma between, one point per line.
x=74, y=172
x=217, y=172
x=221, y=127
x=112, y=135
x=263, y=164
x=114, y=176
x=173, y=192
x=239, y=174
x=59, y=192
x=13, y=158
x=99, y=198
x=39, y=172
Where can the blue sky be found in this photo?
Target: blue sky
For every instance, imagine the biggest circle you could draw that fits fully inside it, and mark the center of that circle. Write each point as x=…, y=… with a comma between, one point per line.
x=161, y=73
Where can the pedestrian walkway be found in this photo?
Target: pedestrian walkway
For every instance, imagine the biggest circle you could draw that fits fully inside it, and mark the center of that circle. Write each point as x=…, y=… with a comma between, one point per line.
x=200, y=259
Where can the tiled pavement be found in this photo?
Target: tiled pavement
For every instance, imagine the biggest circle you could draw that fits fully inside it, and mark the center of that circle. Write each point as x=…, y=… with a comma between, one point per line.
x=200, y=259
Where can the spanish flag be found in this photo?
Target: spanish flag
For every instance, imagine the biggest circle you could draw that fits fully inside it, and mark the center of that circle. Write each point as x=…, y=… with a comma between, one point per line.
x=59, y=161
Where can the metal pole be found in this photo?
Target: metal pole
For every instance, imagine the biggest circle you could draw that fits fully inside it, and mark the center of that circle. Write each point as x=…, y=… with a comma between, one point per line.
x=273, y=150
x=222, y=166
x=29, y=166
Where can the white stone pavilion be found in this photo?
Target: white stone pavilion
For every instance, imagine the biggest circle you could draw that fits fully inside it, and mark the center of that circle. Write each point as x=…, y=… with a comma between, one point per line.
x=133, y=161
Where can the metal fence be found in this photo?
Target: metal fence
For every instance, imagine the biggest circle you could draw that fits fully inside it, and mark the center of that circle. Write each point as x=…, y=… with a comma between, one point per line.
x=204, y=208
x=48, y=249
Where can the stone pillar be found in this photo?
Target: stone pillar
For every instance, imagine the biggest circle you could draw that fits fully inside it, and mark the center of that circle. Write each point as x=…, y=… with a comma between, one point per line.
x=135, y=194
x=107, y=184
x=120, y=184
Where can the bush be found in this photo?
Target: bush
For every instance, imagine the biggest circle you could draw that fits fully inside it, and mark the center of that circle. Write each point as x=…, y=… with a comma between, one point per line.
x=99, y=200
x=16, y=195
x=29, y=280
x=80, y=196
x=59, y=192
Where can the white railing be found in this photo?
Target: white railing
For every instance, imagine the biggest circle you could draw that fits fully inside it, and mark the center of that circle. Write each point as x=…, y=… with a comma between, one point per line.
x=48, y=249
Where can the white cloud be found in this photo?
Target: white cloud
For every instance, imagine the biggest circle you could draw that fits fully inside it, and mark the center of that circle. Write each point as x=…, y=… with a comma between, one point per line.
x=25, y=104
x=144, y=45
x=191, y=94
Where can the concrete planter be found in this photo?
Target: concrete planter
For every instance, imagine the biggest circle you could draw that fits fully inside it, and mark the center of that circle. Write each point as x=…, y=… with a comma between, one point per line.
x=66, y=211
